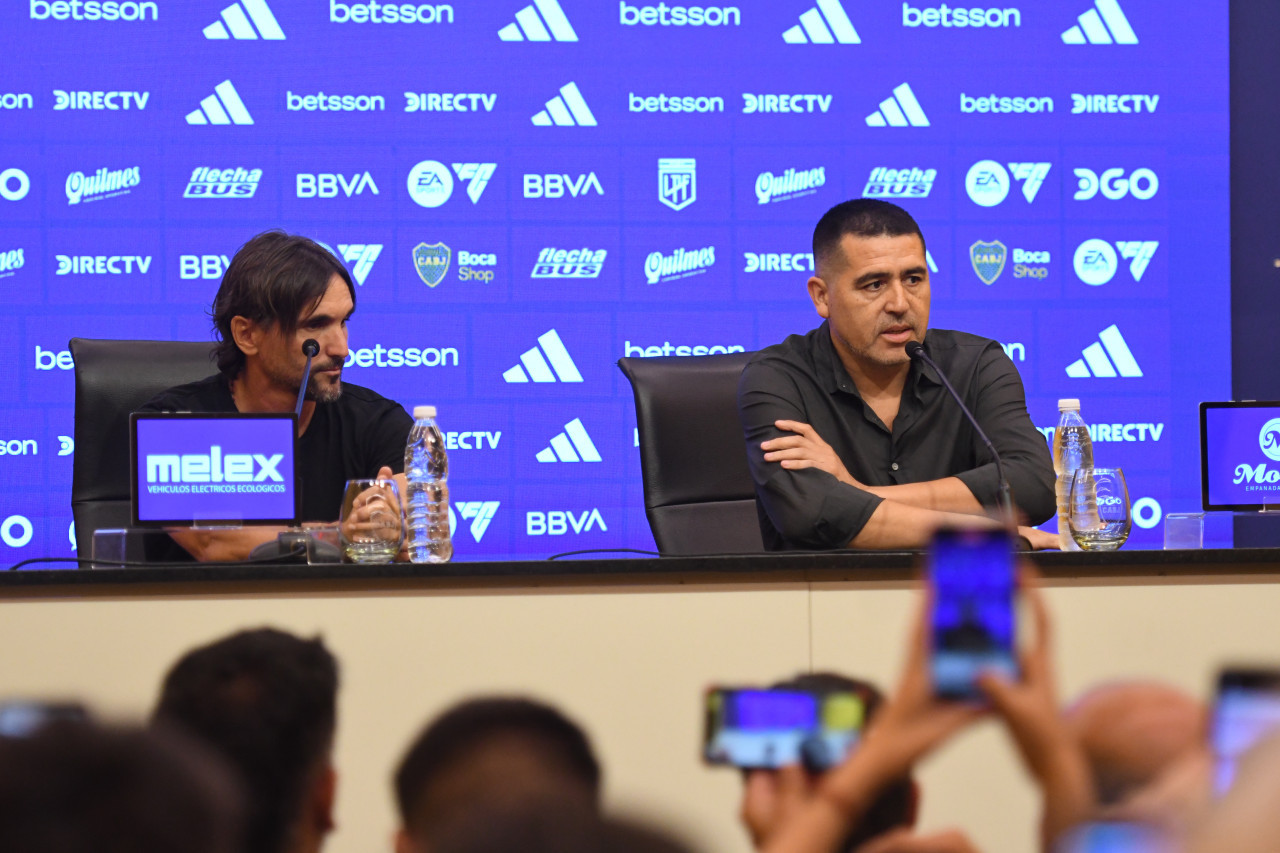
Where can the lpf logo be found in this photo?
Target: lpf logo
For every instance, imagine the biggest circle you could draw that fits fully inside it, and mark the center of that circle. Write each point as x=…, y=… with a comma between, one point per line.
x=1269, y=439
x=677, y=181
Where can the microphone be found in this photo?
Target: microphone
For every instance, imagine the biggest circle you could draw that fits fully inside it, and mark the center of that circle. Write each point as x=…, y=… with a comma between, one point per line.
x=915, y=350
x=311, y=349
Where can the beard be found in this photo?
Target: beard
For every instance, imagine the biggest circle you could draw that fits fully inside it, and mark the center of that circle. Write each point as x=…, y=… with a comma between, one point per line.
x=320, y=389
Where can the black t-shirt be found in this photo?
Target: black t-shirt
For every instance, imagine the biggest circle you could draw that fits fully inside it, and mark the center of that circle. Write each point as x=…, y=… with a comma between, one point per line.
x=350, y=438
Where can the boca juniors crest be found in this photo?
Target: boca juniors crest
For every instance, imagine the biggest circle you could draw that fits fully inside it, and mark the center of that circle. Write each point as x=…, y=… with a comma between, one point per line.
x=988, y=260
x=431, y=260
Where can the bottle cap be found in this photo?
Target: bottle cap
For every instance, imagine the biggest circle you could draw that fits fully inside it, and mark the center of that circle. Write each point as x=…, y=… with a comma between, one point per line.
x=420, y=412
x=1068, y=404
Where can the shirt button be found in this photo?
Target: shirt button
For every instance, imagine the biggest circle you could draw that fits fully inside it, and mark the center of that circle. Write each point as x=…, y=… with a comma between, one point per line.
x=893, y=467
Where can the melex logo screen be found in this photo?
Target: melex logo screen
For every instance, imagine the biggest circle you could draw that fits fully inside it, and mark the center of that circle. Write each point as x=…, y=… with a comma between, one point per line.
x=525, y=191
x=214, y=469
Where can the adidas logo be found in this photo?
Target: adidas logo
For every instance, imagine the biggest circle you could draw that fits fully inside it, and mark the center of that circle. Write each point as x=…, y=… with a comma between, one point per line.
x=813, y=28
x=567, y=110
x=1095, y=362
x=237, y=21
x=536, y=364
x=480, y=513
x=1092, y=30
x=222, y=107
x=901, y=110
x=572, y=445
x=529, y=26
x=361, y=257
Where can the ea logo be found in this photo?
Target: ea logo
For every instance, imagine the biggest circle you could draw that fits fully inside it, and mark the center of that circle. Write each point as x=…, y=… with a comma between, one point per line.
x=16, y=531
x=1269, y=439
x=430, y=183
x=1095, y=262
x=14, y=184
x=987, y=183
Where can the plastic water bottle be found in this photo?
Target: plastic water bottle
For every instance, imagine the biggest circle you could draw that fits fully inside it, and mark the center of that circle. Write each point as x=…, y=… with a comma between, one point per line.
x=426, y=467
x=1072, y=449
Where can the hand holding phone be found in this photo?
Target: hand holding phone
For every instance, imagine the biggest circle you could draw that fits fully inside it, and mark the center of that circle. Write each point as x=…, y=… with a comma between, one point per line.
x=1246, y=711
x=754, y=728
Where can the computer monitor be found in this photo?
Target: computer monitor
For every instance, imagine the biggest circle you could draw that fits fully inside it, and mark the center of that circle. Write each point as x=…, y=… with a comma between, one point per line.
x=1240, y=455
x=213, y=468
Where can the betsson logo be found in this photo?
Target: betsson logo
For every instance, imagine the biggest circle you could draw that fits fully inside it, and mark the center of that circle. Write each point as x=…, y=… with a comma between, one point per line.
x=19, y=447
x=666, y=348
x=663, y=103
x=104, y=183
x=94, y=10
x=663, y=15
x=994, y=103
x=207, y=182
x=320, y=102
x=790, y=184
x=681, y=263
x=947, y=16
x=380, y=356
x=17, y=101
x=374, y=12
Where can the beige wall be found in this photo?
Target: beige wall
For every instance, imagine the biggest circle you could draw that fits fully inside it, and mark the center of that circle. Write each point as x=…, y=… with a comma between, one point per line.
x=630, y=664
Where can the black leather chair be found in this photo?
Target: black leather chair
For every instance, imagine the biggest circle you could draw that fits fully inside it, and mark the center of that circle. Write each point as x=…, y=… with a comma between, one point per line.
x=113, y=378
x=698, y=493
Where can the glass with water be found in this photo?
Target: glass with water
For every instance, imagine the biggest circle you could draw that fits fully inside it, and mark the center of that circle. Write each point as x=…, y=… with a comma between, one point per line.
x=1099, y=509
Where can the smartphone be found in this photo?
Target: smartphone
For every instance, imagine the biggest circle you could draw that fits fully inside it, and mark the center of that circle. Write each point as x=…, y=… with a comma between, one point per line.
x=764, y=728
x=1247, y=709
x=972, y=619
x=1113, y=837
x=22, y=719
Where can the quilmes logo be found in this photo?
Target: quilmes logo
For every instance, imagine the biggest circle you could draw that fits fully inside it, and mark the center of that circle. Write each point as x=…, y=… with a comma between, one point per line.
x=790, y=184
x=677, y=181
x=431, y=260
x=987, y=182
x=946, y=16
x=374, y=12
x=572, y=445
x=212, y=182
x=557, y=186
x=1095, y=362
x=449, y=102
x=104, y=183
x=66, y=99
x=214, y=467
x=1114, y=103
x=558, y=522
x=826, y=23
x=94, y=10
x=663, y=15
x=328, y=184
x=431, y=185
x=239, y=19
x=552, y=25
x=681, y=263
x=1105, y=23
x=1142, y=184
x=885, y=182
x=900, y=110
x=569, y=263
x=996, y=104
x=1096, y=262
x=12, y=261
x=777, y=261
x=568, y=109
x=102, y=264
x=785, y=103
x=479, y=512
x=14, y=184
x=547, y=362
x=222, y=107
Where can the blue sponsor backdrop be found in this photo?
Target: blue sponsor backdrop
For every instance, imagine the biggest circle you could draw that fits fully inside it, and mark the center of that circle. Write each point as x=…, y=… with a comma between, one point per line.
x=527, y=190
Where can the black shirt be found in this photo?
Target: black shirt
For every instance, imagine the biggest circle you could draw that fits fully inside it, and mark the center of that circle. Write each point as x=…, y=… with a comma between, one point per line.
x=349, y=438
x=803, y=379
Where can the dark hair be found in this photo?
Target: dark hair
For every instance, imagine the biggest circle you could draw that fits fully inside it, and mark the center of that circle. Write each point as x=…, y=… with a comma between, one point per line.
x=896, y=805
x=548, y=825
x=863, y=217
x=266, y=701
x=272, y=279
x=457, y=735
x=77, y=788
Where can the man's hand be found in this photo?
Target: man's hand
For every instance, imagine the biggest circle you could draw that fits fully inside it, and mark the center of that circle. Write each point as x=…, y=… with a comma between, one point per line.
x=908, y=841
x=805, y=449
x=770, y=798
x=1039, y=539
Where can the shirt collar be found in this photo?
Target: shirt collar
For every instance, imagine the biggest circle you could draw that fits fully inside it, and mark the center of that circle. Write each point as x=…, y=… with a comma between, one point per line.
x=836, y=378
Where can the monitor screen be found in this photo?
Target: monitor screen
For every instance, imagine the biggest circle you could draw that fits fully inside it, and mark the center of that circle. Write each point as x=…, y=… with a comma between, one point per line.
x=1240, y=455
x=193, y=468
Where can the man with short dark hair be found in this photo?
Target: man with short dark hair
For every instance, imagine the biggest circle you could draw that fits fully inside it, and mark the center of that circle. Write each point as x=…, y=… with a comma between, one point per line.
x=266, y=701
x=279, y=291
x=486, y=756
x=851, y=443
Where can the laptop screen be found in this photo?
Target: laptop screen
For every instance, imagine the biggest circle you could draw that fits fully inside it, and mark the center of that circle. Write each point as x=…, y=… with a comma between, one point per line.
x=1240, y=455
x=213, y=468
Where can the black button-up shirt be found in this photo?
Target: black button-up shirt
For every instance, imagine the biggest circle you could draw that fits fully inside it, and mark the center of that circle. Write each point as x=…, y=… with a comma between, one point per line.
x=803, y=379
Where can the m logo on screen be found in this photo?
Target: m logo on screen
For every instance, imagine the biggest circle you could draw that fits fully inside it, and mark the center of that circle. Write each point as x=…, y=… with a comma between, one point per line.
x=1269, y=439
x=1268, y=479
x=213, y=467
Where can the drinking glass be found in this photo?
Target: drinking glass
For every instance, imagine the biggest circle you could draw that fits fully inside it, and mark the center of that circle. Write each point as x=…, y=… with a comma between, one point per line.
x=371, y=525
x=1099, y=518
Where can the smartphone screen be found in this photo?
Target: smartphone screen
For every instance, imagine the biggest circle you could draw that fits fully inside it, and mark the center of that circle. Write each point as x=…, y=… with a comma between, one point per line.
x=1247, y=710
x=22, y=719
x=1113, y=837
x=972, y=626
x=752, y=728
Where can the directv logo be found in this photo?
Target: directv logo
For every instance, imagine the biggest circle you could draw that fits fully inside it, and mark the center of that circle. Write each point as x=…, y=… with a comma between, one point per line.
x=901, y=110
x=568, y=110
x=572, y=445
x=222, y=107
x=536, y=364
x=1095, y=363
x=812, y=28
x=237, y=22
x=529, y=26
x=1091, y=29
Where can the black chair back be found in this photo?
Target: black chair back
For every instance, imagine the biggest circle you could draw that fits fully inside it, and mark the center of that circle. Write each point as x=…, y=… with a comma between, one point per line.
x=698, y=493
x=114, y=378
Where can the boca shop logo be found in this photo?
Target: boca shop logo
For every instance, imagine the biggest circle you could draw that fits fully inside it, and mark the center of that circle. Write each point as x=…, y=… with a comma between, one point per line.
x=1269, y=443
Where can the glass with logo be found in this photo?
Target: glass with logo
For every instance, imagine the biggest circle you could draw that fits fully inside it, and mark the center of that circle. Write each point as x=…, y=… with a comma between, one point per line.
x=1100, y=518
x=371, y=525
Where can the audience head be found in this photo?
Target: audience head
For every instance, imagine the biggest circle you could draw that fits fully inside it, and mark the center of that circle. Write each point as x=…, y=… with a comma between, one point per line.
x=77, y=788
x=547, y=825
x=488, y=755
x=266, y=701
x=1132, y=732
